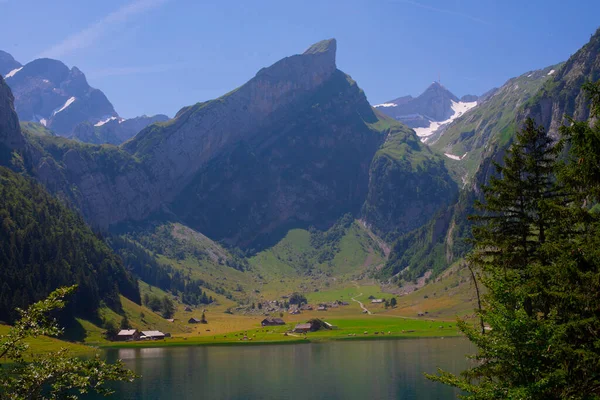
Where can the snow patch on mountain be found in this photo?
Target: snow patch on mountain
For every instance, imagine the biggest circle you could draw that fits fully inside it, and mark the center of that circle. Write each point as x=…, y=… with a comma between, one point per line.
x=67, y=104
x=459, y=108
x=104, y=121
x=12, y=73
x=457, y=158
x=551, y=72
x=386, y=105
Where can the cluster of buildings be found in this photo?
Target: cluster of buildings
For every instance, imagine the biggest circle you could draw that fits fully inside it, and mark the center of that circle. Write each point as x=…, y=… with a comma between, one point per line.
x=311, y=326
x=127, y=335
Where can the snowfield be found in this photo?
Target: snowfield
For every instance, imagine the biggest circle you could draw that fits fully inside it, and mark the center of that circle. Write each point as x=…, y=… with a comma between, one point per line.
x=457, y=158
x=12, y=73
x=386, y=105
x=459, y=109
x=105, y=121
x=67, y=104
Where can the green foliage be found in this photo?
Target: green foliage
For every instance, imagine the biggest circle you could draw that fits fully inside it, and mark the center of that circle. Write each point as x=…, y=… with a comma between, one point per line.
x=44, y=245
x=408, y=184
x=327, y=243
x=537, y=252
x=167, y=308
x=125, y=324
x=297, y=298
x=55, y=375
x=139, y=261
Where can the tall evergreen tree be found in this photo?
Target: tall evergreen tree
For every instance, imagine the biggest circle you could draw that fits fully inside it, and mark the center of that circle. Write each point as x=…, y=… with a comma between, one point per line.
x=515, y=230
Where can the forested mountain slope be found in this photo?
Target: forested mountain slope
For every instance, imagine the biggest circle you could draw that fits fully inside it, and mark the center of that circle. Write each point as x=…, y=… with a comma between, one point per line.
x=44, y=245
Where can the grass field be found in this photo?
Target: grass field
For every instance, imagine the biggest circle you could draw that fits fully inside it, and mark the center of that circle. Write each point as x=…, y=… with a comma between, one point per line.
x=44, y=344
x=366, y=327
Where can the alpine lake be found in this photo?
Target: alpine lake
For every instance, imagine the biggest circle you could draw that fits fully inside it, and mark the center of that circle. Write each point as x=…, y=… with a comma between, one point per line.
x=365, y=370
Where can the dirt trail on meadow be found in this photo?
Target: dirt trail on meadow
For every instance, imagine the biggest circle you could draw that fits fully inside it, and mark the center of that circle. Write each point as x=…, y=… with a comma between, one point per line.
x=361, y=304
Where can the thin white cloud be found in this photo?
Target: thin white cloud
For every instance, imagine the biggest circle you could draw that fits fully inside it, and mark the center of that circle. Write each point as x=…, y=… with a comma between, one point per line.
x=147, y=69
x=92, y=33
x=443, y=11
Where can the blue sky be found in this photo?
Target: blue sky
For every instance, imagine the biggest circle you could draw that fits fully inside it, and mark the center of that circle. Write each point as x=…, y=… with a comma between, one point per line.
x=156, y=56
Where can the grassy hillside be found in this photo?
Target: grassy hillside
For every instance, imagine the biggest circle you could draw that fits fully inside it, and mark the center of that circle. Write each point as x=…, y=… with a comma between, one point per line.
x=33, y=128
x=44, y=344
x=309, y=260
x=408, y=183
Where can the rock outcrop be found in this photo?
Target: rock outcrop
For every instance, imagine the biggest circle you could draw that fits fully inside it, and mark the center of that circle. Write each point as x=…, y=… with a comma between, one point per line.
x=11, y=139
x=563, y=95
x=201, y=132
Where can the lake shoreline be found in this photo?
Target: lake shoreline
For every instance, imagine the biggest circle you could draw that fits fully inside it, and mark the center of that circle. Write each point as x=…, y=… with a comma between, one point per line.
x=308, y=340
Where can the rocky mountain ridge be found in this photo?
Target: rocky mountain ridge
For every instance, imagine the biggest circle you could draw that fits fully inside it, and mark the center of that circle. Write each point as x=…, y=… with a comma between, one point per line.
x=114, y=130
x=430, y=112
x=48, y=92
x=292, y=147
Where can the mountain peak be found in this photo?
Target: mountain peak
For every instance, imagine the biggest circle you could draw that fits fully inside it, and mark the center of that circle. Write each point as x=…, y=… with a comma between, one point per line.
x=324, y=46
x=437, y=89
x=324, y=51
x=7, y=63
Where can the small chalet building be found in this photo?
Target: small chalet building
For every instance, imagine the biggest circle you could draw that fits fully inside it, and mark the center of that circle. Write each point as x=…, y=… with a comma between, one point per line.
x=377, y=301
x=303, y=328
x=126, y=335
x=295, y=311
x=330, y=326
x=152, y=335
x=272, y=322
x=188, y=309
x=322, y=308
x=194, y=320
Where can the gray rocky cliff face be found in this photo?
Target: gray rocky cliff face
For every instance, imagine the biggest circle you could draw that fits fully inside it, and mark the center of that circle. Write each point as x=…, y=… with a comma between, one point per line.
x=11, y=138
x=293, y=147
x=563, y=95
x=200, y=133
x=109, y=185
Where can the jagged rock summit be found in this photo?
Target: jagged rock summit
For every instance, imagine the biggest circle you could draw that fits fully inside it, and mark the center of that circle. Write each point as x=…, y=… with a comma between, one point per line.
x=48, y=92
x=430, y=112
x=209, y=127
